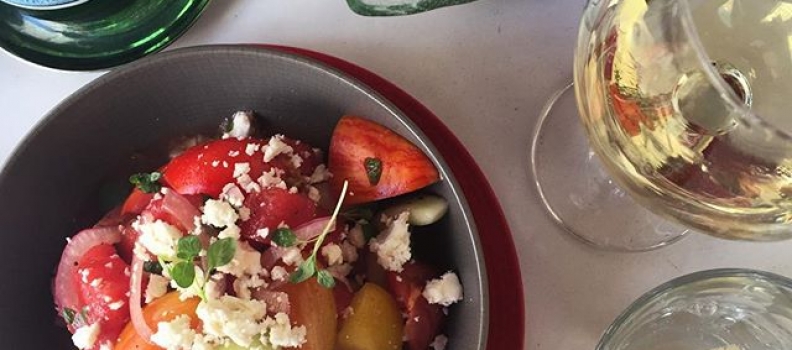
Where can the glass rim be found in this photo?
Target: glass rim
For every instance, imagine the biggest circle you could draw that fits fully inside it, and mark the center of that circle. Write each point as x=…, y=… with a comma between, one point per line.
x=746, y=114
x=677, y=282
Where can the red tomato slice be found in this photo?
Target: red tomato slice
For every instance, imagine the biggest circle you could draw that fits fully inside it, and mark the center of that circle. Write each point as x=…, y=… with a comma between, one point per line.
x=343, y=298
x=207, y=168
x=311, y=157
x=104, y=286
x=403, y=167
x=273, y=206
x=423, y=319
x=136, y=202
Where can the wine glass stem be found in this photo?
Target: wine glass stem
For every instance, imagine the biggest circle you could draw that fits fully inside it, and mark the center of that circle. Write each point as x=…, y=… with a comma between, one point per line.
x=577, y=192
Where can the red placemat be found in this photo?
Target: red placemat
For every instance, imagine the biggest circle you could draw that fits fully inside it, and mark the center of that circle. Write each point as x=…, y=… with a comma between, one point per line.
x=506, y=311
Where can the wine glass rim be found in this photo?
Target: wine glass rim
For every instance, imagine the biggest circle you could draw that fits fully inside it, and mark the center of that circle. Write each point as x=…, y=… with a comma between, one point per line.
x=694, y=277
x=746, y=114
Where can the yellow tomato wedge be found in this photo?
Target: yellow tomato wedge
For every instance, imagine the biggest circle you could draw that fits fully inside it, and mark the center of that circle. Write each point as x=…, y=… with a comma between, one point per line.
x=374, y=322
x=163, y=309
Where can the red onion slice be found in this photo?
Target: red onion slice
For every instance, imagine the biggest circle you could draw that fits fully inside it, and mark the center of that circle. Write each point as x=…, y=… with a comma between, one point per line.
x=135, y=298
x=65, y=288
x=313, y=228
x=276, y=301
x=180, y=208
x=271, y=256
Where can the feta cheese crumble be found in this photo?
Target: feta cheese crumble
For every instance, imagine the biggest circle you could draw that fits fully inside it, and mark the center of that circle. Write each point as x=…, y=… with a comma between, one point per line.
x=175, y=334
x=332, y=252
x=320, y=174
x=246, y=261
x=271, y=179
x=157, y=287
x=292, y=256
x=275, y=147
x=85, y=336
x=282, y=334
x=232, y=317
x=278, y=273
x=218, y=213
x=445, y=290
x=158, y=237
x=241, y=125
x=392, y=245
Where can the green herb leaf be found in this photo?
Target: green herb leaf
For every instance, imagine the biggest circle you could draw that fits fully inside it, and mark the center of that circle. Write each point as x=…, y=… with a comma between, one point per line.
x=284, y=237
x=227, y=125
x=325, y=279
x=305, y=271
x=69, y=315
x=183, y=273
x=220, y=253
x=188, y=247
x=147, y=182
x=152, y=267
x=373, y=169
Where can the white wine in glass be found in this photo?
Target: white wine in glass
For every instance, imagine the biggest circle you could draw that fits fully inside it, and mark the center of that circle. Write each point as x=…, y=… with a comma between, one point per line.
x=688, y=105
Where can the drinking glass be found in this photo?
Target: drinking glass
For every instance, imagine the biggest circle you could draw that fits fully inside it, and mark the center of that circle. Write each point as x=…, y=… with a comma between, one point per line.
x=724, y=309
x=686, y=105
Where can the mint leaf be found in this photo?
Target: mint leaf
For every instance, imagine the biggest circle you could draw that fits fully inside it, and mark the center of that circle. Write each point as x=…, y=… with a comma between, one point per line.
x=284, y=237
x=373, y=170
x=305, y=271
x=69, y=315
x=147, y=182
x=325, y=279
x=188, y=247
x=152, y=267
x=220, y=253
x=183, y=273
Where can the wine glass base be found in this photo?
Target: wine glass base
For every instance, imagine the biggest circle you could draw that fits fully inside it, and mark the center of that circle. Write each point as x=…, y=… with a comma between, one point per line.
x=578, y=193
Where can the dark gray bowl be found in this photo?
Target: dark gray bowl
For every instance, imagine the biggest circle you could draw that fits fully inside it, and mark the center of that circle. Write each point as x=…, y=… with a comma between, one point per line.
x=73, y=166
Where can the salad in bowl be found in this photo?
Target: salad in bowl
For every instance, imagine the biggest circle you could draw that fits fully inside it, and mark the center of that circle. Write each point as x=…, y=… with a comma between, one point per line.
x=251, y=241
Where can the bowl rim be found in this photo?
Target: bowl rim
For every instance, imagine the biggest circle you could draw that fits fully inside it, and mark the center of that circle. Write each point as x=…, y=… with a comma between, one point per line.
x=309, y=63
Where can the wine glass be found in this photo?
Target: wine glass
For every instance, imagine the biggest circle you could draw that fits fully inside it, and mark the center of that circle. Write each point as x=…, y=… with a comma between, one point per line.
x=688, y=106
x=716, y=309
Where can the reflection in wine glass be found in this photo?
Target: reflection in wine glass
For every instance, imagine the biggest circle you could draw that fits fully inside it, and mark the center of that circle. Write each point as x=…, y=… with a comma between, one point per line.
x=686, y=103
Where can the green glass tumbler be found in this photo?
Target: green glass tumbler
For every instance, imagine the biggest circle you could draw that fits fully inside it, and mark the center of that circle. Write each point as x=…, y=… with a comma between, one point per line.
x=96, y=34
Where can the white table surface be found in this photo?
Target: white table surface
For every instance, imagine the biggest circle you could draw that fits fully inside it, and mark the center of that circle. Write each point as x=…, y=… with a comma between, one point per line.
x=486, y=69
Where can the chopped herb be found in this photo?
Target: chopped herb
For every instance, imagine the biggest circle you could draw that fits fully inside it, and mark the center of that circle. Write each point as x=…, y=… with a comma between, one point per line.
x=188, y=247
x=325, y=279
x=69, y=315
x=307, y=269
x=152, y=267
x=147, y=182
x=220, y=253
x=183, y=273
x=373, y=169
x=227, y=125
x=284, y=237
